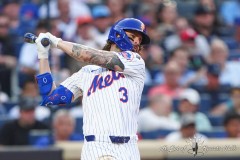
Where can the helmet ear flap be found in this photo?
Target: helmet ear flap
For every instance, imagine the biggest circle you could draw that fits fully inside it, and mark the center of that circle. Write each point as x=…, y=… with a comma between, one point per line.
x=120, y=38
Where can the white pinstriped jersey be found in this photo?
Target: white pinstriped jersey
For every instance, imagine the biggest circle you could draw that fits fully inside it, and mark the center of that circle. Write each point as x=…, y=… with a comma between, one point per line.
x=110, y=99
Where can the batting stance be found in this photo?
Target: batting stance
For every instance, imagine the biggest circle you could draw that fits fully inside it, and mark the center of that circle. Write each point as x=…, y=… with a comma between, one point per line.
x=111, y=86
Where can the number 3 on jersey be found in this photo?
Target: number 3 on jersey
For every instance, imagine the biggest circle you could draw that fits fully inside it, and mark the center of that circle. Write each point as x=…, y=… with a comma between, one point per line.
x=124, y=99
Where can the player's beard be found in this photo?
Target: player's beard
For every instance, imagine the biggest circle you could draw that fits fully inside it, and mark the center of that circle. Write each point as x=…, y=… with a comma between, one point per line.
x=136, y=48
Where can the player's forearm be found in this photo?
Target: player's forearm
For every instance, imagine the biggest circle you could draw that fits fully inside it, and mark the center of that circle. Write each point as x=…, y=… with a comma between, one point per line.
x=44, y=67
x=82, y=53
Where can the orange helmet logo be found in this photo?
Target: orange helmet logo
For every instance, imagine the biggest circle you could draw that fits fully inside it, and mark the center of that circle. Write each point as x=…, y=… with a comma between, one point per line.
x=142, y=27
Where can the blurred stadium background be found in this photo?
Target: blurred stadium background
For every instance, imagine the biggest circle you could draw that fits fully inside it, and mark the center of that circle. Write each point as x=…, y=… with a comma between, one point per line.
x=192, y=74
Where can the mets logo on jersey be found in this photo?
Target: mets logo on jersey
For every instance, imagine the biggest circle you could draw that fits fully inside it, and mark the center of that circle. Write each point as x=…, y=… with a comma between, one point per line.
x=100, y=82
x=127, y=55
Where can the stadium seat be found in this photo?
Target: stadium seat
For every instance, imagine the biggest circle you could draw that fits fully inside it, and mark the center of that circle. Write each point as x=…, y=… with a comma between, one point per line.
x=226, y=32
x=36, y=137
x=144, y=102
x=146, y=88
x=216, y=120
x=225, y=88
x=231, y=43
x=161, y=133
x=234, y=55
x=223, y=97
x=175, y=105
x=9, y=105
x=154, y=72
x=186, y=9
x=79, y=125
x=215, y=133
x=205, y=103
x=199, y=88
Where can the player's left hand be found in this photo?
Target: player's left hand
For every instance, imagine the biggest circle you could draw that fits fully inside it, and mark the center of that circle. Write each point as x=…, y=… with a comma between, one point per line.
x=42, y=51
x=54, y=40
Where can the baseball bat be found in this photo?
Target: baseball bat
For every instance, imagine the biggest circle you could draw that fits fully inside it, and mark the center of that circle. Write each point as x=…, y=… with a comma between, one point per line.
x=30, y=38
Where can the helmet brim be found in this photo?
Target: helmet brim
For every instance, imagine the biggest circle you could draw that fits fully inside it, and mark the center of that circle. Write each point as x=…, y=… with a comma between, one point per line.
x=145, y=39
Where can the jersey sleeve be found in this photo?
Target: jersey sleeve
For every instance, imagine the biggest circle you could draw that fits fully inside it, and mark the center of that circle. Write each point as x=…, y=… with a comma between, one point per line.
x=74, y=83
x=133, y=63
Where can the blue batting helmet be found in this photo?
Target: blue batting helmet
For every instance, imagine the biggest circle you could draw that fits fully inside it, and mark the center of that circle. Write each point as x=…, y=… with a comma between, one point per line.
x=119, y=37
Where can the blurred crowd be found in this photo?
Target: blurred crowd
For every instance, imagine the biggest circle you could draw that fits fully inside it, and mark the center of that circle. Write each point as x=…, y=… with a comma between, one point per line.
x=192, y=83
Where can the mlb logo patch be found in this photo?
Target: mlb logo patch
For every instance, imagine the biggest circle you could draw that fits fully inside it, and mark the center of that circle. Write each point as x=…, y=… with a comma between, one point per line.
x=127, y=55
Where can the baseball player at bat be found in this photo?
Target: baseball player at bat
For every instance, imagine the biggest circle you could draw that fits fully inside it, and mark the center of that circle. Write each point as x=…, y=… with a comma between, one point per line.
x=111, y=87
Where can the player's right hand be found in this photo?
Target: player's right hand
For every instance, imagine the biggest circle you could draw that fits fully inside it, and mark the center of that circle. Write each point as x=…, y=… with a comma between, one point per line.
x=53, y=39
x=42, y=51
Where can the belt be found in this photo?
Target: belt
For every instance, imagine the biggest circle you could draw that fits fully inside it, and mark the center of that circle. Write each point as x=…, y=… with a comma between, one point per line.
x=114, y=139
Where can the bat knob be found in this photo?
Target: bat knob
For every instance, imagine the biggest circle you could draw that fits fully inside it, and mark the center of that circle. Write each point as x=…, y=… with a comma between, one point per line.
x=45, y=42
x=31, y=38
